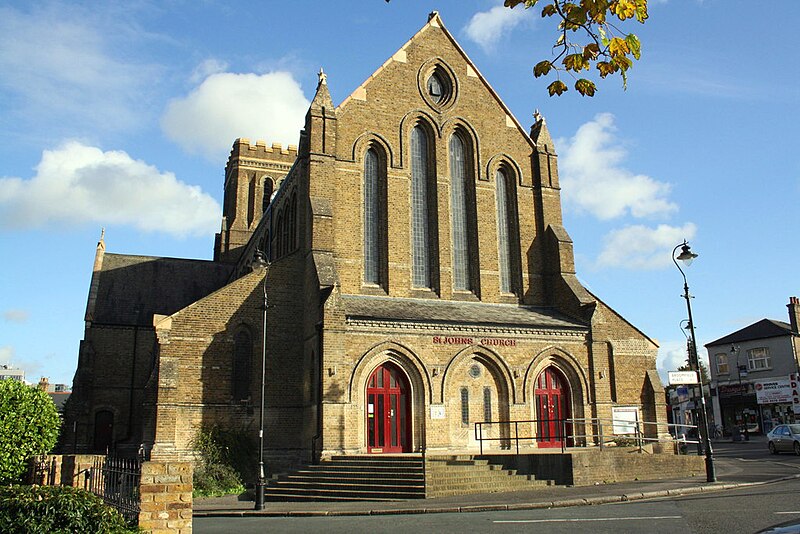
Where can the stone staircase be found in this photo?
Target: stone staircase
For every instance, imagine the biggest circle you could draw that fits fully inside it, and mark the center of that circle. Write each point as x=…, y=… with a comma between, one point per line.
x=463, y=474
x=389, y=478
x=353, y=478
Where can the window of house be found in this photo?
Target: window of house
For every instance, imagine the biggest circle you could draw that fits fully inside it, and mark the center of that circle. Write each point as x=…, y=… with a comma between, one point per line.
x=758, y=359
x=420, y=236
x=464, y=406
x=722, y=364
x=487, y=404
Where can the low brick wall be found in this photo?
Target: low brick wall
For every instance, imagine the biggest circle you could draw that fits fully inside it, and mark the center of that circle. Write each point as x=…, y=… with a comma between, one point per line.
x=166, y=497
x=602, y=466
x=165, y=487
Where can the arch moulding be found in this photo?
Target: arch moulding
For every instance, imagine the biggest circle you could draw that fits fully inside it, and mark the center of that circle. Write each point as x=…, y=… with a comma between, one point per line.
x=490, y=359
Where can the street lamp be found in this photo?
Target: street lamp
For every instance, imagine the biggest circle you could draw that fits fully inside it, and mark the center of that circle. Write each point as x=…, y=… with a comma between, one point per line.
x=260, y=262
x=687, y=256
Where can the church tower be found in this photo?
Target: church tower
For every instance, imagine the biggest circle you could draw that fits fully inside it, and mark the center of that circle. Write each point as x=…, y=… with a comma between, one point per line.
x=252, y=175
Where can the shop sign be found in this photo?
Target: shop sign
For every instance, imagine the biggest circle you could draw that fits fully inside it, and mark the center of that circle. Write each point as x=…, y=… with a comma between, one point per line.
x=732, y=390
x=774, y=391
x=794, y=379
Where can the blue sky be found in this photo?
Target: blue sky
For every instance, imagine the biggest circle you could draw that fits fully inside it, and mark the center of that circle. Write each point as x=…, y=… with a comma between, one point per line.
x=121, y=114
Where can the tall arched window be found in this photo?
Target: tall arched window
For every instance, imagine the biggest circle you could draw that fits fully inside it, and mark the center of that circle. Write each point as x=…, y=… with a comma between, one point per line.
x=372, y=218
x=293, y=224
x=420, y=232
x=242, y=353
x=460, y=202
x=507, y=241
x=503, y=240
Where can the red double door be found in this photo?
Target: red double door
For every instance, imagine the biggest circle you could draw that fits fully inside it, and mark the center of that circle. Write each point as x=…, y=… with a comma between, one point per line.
x=388, y=411
x=552, y=408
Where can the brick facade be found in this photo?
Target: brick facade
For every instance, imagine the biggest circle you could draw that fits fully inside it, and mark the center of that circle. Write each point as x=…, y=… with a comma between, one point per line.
x=463, y=354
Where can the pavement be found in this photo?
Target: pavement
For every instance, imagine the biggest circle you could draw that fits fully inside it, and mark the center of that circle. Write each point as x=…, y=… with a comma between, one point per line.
x=731, y=473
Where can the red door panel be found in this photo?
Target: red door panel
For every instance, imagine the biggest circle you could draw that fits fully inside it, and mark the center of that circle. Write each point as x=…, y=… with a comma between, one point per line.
x=388, y=424
x=551, y=396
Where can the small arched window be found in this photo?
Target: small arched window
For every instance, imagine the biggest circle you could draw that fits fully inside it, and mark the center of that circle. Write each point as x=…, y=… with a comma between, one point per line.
x=242, y=356
x=267, y=193
x=464, y=406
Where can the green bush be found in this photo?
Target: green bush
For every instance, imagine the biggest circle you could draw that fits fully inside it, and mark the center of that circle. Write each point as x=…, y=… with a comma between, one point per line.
x=56, y=509
x=226, y=458
x=29, y=425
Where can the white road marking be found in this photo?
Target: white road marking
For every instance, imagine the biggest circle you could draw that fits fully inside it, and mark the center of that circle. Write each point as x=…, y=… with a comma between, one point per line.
x=797, y=512
x=586, y=520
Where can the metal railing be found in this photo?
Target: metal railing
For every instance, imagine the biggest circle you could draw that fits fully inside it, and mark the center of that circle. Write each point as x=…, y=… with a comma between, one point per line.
x=585, y=432
x=116, y=481
x=43, y=470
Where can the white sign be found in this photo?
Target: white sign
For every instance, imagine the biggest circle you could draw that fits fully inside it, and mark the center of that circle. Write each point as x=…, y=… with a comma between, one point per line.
x=437, y=411
x=625, y=419
x=793, y=382
x=773, y=391
x=682, y=377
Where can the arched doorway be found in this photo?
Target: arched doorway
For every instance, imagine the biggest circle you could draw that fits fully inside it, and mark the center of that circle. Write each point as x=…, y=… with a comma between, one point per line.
x=551, y=396
x=103, y=431
x=388, y=410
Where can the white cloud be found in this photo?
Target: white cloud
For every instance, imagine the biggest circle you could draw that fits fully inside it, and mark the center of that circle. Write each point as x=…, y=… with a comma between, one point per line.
x=641, y=248
x=227, y=106
x=487, y=27
x=16, y=316
x=59, y=66
x=76, y=184
x=594, y=179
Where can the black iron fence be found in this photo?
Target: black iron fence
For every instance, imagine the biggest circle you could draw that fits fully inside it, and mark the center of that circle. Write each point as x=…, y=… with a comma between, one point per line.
x=116, y=481
x=43, y=470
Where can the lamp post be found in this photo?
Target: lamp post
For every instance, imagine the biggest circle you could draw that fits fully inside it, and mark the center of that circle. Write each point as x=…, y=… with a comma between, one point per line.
x=260, y=262
x=686, y=256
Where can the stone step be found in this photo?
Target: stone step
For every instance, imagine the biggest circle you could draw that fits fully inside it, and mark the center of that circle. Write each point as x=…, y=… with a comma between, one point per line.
x=321, y=479
x=365, y=493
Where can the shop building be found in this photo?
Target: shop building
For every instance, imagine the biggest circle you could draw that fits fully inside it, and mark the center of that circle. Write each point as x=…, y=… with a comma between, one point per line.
x=752, y=375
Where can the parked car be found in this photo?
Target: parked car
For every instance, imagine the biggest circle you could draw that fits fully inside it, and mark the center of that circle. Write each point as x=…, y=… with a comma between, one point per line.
x=784, y=438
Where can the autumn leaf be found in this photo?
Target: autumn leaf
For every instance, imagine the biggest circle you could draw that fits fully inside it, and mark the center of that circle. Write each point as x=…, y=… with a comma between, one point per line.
x=585, y=87
x=542, y=68
x=556, y=88
x=618, y=47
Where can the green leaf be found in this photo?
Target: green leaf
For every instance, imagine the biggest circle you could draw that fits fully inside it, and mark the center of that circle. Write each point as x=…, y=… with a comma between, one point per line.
x=556, y=88
x=634, y=45
x=585, y=87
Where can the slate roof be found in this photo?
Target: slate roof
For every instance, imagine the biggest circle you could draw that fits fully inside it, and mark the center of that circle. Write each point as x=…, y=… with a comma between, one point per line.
x=451, y=312
x=132, y=288
x=760, y=330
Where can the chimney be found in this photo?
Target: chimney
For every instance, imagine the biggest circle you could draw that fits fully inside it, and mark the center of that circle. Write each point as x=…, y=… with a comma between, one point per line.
x=794, y=313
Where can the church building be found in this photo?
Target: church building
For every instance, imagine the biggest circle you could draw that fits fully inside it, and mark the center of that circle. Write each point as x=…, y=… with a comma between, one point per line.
x=418, y=281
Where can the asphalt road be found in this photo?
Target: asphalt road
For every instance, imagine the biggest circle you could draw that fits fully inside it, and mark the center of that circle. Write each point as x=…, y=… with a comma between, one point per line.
x=744, y=510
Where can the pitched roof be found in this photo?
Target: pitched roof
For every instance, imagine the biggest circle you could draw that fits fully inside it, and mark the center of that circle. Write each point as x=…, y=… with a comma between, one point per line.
x=451, y=312
x=760, y=330
x=132, y=288
x=435, y=21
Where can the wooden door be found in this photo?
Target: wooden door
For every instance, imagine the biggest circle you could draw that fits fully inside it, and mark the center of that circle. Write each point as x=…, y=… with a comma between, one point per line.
x=388, y=411
x=552, y=407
